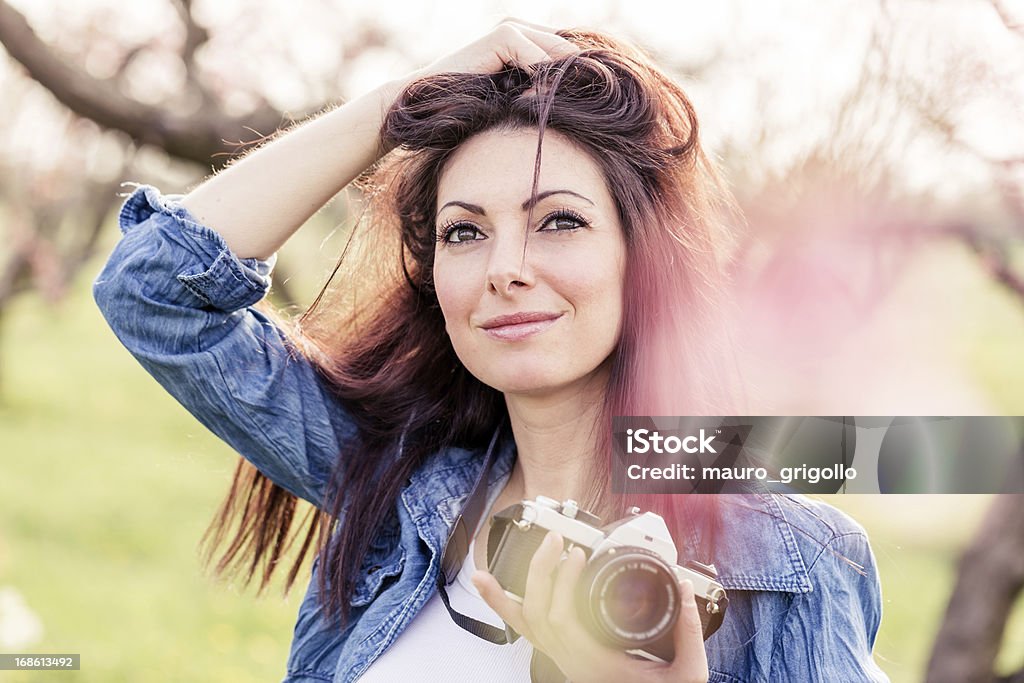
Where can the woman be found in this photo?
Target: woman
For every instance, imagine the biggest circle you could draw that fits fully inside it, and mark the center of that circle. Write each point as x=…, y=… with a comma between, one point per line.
x=489, y=338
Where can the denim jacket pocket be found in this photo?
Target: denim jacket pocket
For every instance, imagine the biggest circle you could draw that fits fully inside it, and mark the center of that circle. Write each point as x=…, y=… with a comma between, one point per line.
x=715, y=676
x=384, y=561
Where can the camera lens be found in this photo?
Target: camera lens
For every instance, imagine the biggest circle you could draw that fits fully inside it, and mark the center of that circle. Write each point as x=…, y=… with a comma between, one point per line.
x=631, y=600
x=630, y=596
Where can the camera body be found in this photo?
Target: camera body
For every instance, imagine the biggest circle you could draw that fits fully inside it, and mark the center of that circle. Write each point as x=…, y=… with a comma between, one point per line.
x=628, y=595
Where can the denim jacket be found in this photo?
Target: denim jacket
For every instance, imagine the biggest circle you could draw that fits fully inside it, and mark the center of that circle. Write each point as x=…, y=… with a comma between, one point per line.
x=181, y=302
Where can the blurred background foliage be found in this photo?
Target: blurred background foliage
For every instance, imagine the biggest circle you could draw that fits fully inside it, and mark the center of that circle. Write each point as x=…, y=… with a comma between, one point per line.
x=877, y=150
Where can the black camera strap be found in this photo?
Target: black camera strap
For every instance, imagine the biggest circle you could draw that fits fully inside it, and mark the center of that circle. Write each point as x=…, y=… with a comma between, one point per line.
x=456, y=548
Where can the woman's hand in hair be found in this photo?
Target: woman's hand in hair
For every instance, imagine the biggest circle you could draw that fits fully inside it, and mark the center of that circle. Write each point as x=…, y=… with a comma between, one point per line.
x=512, y=40
x=547, y=618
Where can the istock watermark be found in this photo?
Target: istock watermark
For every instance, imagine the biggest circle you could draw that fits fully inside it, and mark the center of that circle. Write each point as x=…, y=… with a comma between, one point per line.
x=818, y=454
x=647, y=440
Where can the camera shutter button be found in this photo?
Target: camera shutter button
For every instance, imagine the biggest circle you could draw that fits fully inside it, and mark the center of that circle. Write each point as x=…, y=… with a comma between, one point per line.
x=570, y=508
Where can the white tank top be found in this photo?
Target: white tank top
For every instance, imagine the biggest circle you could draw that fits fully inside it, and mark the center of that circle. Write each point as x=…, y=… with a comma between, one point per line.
x=435, y=648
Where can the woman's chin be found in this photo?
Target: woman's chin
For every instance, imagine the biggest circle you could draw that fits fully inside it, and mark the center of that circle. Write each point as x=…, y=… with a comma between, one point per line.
x=525, y=382
x=535, y=383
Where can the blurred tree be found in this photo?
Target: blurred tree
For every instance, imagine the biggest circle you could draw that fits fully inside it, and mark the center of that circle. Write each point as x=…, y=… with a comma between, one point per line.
x=989, y=581
x=855, y=175
x=54, y=198
x=119, y=101
x=831, y=232
x=193, y=122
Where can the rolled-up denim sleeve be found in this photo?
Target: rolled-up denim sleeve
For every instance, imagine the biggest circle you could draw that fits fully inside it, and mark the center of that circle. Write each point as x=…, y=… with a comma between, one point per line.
x=181, y=302
x=829, y=633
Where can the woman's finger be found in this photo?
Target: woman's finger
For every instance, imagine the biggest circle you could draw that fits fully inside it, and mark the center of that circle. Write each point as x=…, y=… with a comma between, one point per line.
x=563, y=592
x=563, y=618
x=545, y=38
x=691, y=661
x=523, y=22
x=537, y=596
x=508, y=609
x=512, y=45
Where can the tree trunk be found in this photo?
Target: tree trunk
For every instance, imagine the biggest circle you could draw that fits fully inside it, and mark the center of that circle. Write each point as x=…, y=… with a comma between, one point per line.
x=990, y=577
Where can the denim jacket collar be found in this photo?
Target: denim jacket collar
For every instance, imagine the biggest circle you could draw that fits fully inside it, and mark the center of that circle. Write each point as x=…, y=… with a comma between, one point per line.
x=757, y=547
x=437, y=491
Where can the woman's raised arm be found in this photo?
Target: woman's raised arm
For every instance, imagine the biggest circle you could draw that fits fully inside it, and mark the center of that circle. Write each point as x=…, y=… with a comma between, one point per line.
x=179, y=295
x=258, y=202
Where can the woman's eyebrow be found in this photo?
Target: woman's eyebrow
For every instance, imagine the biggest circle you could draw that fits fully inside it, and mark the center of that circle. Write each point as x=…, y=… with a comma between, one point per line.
x=526, y=205
x=549, y=193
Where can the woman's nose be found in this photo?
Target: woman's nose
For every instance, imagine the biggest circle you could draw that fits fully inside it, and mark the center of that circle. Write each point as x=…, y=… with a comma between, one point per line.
x=508, y=265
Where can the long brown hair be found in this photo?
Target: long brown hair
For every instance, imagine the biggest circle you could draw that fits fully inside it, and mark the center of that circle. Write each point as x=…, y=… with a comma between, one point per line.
x=386, y=356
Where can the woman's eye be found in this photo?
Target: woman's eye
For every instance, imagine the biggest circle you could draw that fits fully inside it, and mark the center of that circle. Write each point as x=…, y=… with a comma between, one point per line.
x=564, y=222
x=460, y=233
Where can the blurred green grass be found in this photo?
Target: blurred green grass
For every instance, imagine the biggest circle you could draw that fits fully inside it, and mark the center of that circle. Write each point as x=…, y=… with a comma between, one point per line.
x=106, y=485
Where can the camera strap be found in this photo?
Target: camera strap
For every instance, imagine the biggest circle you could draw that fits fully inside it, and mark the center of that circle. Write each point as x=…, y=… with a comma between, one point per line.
x=456, y=548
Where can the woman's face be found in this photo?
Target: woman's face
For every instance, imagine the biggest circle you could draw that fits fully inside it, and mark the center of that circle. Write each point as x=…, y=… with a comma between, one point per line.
x=567, y=291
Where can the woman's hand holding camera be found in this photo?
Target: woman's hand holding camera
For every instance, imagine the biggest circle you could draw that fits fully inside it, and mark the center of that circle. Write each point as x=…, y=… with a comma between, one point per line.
x=548, y=619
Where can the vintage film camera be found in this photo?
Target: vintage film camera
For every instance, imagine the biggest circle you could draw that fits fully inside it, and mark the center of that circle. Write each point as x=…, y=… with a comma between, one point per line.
x=628, y=595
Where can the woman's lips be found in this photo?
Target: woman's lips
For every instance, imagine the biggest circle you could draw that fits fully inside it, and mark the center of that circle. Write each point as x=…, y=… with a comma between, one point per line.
x=518, y=331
